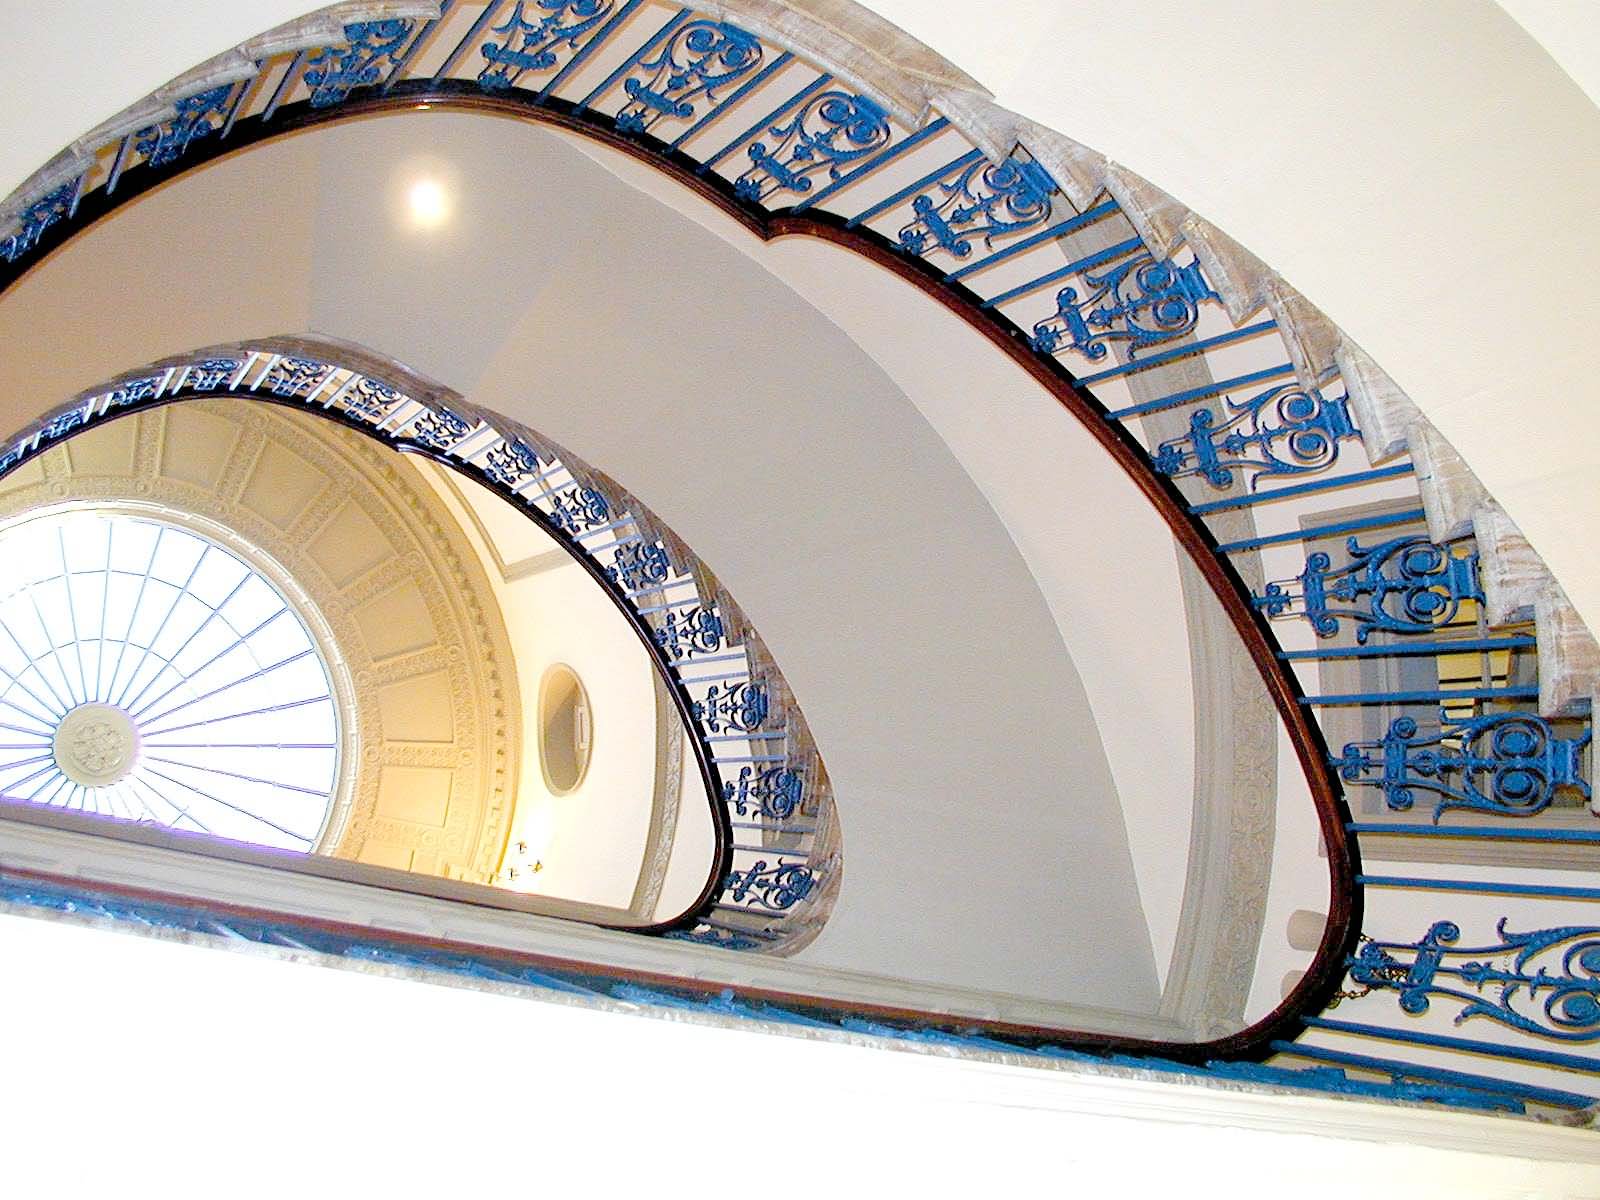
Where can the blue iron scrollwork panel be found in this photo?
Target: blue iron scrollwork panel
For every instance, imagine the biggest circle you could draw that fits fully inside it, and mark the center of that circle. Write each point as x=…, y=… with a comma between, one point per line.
x=439, y=429
x=1282, y=431
x=1509, y=764
x=1545, y=982
x=510, y=463
x=698, y=59
x=775, y=888
x=579, y=509
x=211, y=373
x=694, y=631
x=734, y=708
x=1405, y=585
x=640, y=565
x=44, y=212
x=830, y=131
x=296, y=378
x=370, y=400
x=537, y=45
x=774, y=792
x=133, y=391
x=197, y=116
x=336, y=71
x=1140, y=301
x=985, y=200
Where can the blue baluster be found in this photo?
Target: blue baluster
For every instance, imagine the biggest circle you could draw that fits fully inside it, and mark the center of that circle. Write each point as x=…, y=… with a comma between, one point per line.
x=1508, y=764
x=537, y=45
x=1141, y=302
x=1281, y=431
x=370, y=46
x=829, y=132
x=1407, y=585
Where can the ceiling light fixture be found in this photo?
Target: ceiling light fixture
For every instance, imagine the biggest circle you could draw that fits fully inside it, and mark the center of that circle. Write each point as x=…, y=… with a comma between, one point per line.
x=428, y=203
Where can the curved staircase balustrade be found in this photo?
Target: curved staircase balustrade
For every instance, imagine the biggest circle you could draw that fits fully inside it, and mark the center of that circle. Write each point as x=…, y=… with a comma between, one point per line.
x=1230, y=398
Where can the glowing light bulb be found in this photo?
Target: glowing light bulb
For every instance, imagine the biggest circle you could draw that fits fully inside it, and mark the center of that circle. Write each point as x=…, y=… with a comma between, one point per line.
x=428, y=203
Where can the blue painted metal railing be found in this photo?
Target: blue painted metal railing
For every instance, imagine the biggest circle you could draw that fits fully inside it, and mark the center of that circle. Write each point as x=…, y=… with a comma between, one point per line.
x=765, y=770
x=1272, y=465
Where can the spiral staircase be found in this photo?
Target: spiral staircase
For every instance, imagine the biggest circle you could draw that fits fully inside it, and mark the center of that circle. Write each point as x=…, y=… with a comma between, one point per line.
x=1399, y=642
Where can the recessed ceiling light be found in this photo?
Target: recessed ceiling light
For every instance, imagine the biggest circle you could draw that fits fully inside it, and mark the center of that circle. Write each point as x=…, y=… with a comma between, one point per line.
x=428, y=203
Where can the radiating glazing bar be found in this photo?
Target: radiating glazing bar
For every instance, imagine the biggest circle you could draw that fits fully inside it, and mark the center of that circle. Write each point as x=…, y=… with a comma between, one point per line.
x=1179, y=399
x=424, y=35
x=285, y=86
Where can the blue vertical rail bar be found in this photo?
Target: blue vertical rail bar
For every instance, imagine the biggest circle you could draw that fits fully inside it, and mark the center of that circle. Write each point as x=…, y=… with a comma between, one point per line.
x=882, y=159
x=718, y=111
x=465, y=44
x=632, y=60
x=1071, y=225
x=800, y=97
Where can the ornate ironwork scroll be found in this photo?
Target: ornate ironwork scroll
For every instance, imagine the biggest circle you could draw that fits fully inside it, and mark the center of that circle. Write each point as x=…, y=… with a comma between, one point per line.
x=1406, y=585
x=986, y=200
x=336, y=71
x=1544, y=982
x=1282, y=431
x=831, y=131
x=1509, y=764
x=698, y=59
x=1140, y=302
x=537, y=45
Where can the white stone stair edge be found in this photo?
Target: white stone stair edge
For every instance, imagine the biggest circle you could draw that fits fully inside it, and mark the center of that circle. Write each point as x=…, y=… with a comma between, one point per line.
x=324, y=27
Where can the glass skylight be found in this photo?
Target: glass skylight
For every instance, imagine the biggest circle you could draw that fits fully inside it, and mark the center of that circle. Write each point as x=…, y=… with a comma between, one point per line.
x=152, y=675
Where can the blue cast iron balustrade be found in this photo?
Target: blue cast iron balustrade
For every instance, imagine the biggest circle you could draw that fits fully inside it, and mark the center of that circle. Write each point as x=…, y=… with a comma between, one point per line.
x=1406, y=585
x=537, y=45
x=212, y=373
x=440, y=429
x=640, y=566
x=775, y=888
x=721, y=709
x=698, y=59
x=197, y=117
x=579, y=509
x=830, y=132
x=370, y=47
x=736, y=708
x=775, y=792
x=693, y=631
x=1141, y=302
x=1508, y=764
x=296, y=378
x=1545, y=982
x=44, y=212
x=1282, y=431
x=370, y=400
x=985, y=200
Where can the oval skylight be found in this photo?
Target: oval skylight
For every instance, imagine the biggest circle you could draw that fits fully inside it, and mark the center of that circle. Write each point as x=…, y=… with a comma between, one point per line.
x=148, y=673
